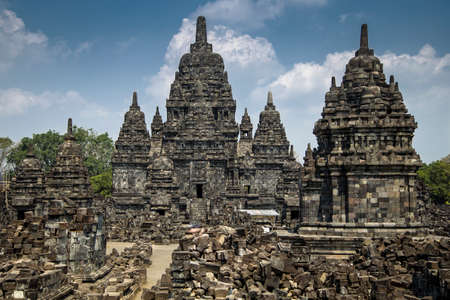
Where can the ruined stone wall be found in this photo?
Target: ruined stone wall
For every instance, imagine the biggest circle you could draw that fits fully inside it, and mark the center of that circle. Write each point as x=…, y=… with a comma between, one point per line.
x=77, y=240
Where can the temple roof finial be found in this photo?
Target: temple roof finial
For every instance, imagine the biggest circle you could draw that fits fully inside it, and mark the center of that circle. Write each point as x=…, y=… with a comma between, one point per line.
x=157, y=110
x=269, y=98
x=364, y=41
x=30, y=150
x=69, y=126
x=200, y=35
x=134, y=103
x=333, y=82
x=291, y=152
x=245, y=111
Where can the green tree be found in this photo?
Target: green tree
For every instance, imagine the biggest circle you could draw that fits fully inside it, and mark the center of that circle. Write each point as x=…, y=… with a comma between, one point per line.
x=96, y=149
x=102, y=183
x=436, y=177
x=45, y=147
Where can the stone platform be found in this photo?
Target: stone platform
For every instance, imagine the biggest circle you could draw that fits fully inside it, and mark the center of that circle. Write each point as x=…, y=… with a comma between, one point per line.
x=342, y=239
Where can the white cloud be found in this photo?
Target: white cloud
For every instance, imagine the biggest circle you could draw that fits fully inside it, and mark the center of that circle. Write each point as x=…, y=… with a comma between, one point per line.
x=15, y=39
x=84, y=47
x=17, y=43
x=16, y=101
x=423, y=79
x=23, y=112
x=124, y=45
x=306, y=78
x=249, y=13
x=344, y=17
x=241, y=52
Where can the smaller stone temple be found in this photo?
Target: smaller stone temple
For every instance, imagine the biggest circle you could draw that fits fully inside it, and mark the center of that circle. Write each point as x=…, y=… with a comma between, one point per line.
x=130, y=159
x=27, y=187
x=62, y=203
x=364, y=169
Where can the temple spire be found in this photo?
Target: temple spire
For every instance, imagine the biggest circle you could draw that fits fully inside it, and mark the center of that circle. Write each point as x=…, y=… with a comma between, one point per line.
x=69, y=134
x=291, y=152
x=157, y=111
x=333, y=82
x=269, y=99
x=69, y=126
x=200, y=35
x=134, y=103
x=30, y=150
x=364, y=40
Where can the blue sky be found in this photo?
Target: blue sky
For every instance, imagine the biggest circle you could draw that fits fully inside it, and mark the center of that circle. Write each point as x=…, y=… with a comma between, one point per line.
x=83, y=59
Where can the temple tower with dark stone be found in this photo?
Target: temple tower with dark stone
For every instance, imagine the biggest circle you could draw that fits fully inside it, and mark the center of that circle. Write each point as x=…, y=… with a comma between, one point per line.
x=365, y=158
x=28, y=187
x=245, y=135
x=130, y=159
x=68, y=179
x=75, y=223
x=196, y=165
x=200, y=134
x=270, y=149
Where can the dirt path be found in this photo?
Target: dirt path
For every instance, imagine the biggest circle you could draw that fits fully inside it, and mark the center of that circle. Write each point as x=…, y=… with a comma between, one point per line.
x=120, y=246
x=161, y=259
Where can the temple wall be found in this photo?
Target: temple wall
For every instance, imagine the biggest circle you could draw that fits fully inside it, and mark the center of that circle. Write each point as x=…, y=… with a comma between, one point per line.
x=129, y=179
x=216, y=182
x=182, y=172
x=266, y=180
x=386, y=198
x=310, y=204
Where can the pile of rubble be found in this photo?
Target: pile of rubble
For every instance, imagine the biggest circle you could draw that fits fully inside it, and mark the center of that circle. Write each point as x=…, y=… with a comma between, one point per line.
x=437, y=217
x=143, y=225
x=120, y=277
x=406, y=266
x=227, y=263
x=27, y=279
x=24, y=237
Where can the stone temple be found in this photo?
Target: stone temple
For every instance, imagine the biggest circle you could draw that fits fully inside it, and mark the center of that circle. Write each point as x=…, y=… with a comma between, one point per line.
x=364, y=168
x=62, y=202
x=200, y=159
x=345, y=225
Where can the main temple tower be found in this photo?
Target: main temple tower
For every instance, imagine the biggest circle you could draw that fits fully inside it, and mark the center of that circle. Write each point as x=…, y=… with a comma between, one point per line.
x=200, y=134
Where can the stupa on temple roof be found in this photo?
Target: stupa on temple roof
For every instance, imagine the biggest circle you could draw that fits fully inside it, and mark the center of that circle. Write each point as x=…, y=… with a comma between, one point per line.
x=365, y=158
